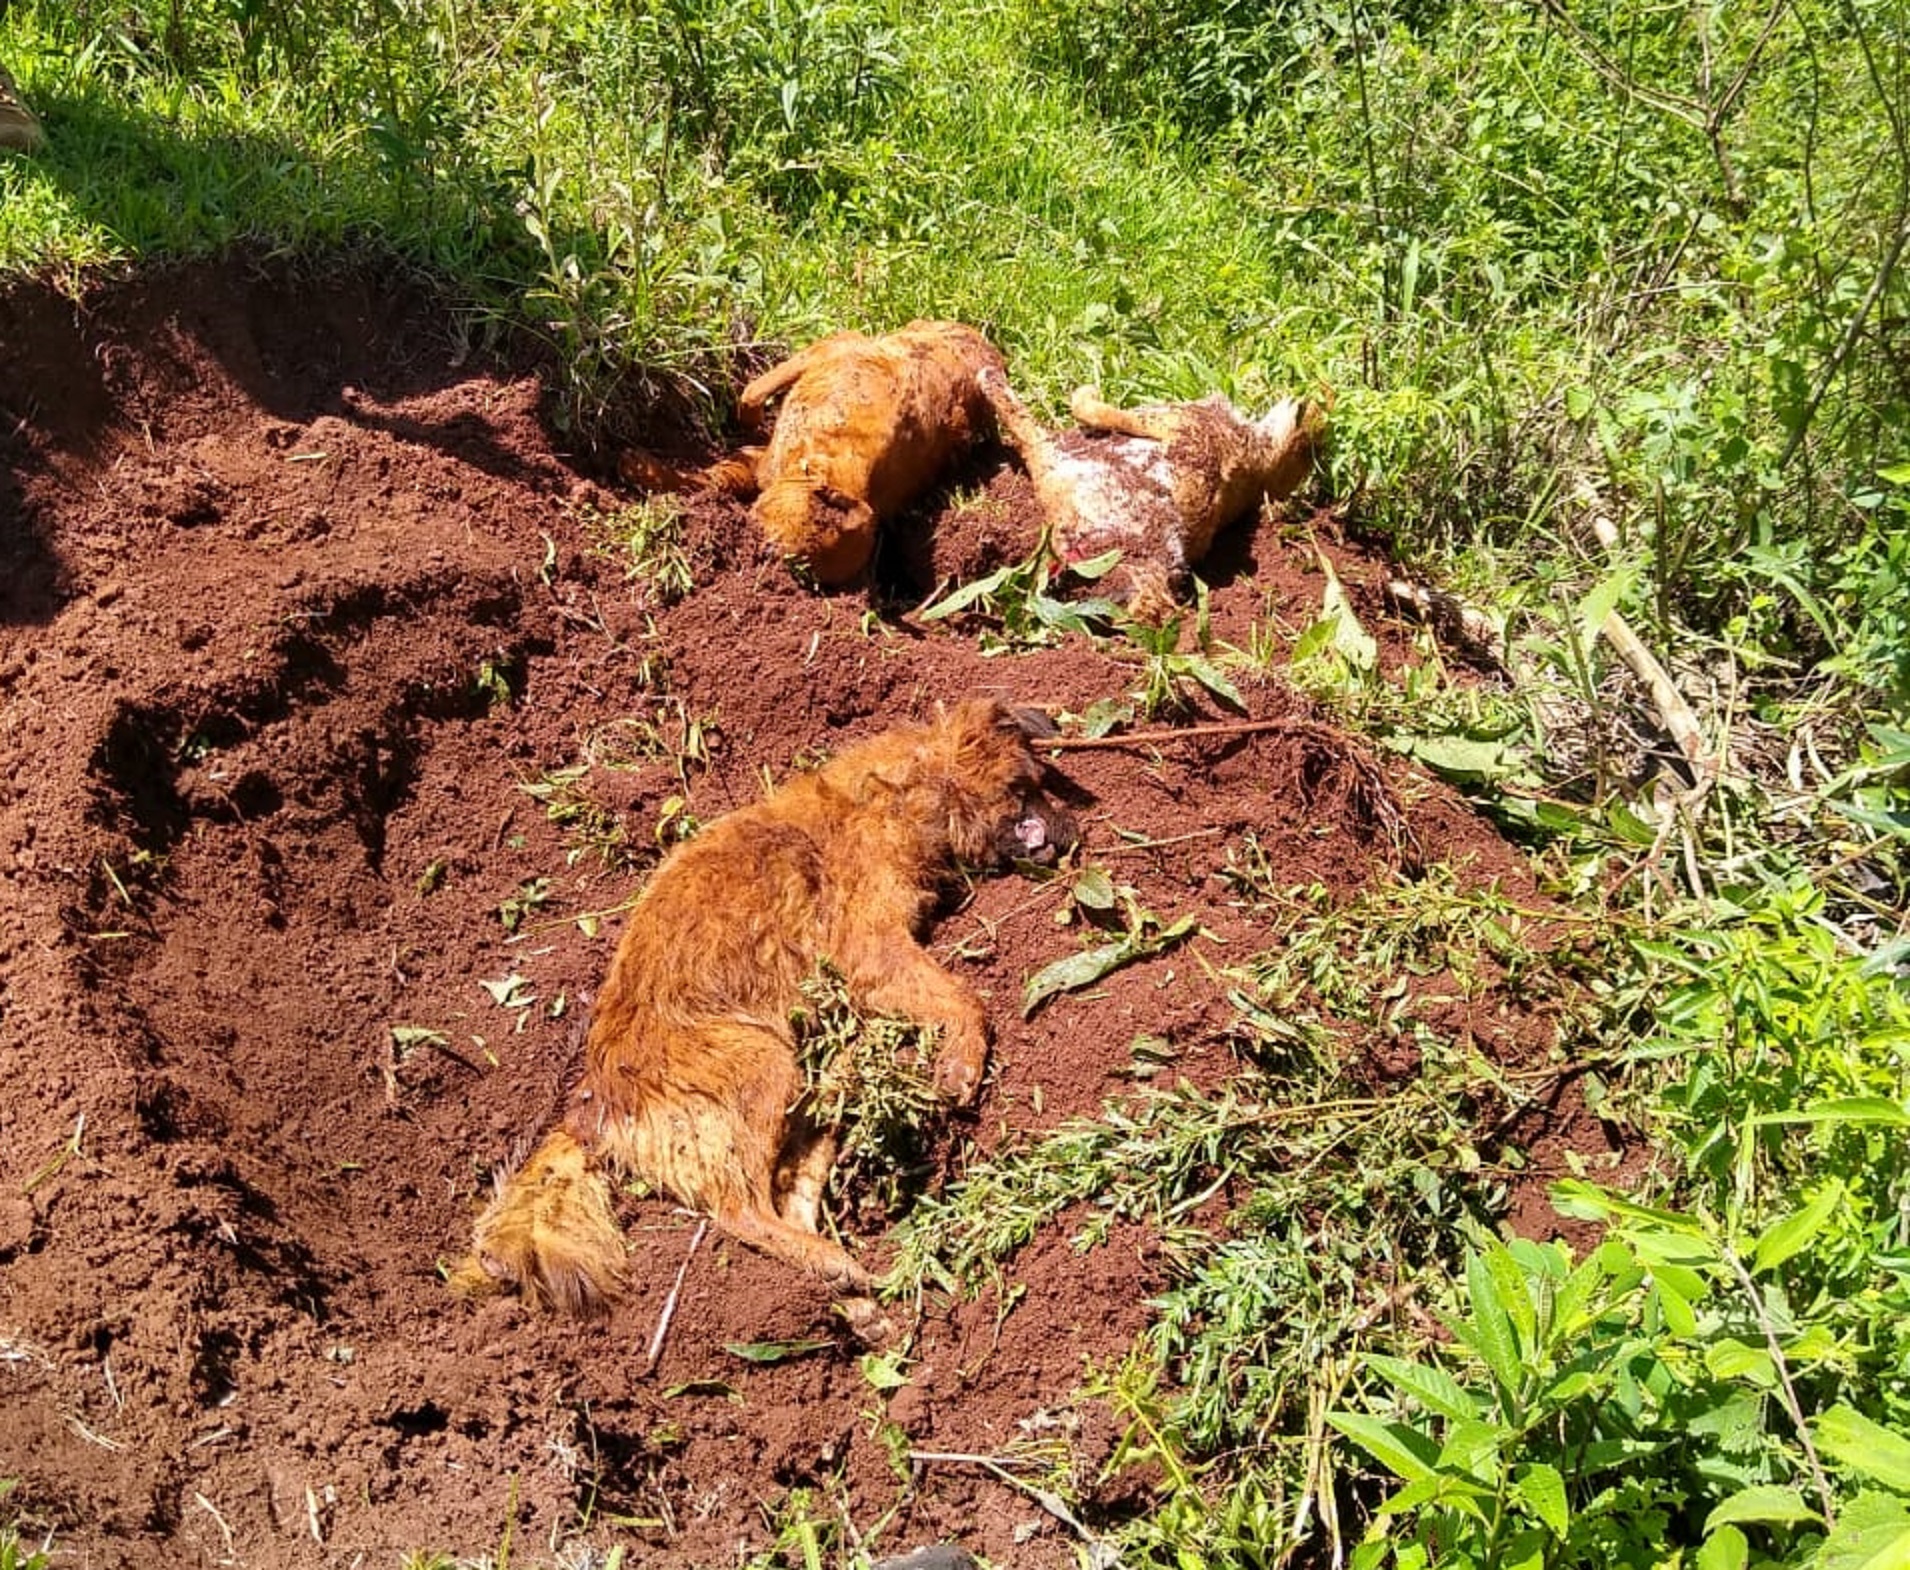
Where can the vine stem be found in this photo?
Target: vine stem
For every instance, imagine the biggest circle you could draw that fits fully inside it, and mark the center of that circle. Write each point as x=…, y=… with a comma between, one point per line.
x=1792, y=1406
x=1155, y=738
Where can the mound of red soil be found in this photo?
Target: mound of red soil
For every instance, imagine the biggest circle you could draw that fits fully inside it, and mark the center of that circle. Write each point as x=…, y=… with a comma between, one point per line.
x=293, y=603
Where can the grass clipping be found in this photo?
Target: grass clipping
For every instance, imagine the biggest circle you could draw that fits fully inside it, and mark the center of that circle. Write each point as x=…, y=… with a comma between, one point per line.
x=866, y=1080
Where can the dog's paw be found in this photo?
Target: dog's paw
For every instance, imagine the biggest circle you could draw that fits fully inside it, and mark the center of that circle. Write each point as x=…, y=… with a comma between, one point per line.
x=866, y=1321
x=958, y=1070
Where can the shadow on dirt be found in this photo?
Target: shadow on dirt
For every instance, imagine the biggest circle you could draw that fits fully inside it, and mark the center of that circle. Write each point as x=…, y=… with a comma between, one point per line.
x=328, y=334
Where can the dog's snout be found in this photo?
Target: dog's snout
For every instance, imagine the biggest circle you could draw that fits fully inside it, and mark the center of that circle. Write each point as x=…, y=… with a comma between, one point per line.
x=1040, y=832
x=1035, y=724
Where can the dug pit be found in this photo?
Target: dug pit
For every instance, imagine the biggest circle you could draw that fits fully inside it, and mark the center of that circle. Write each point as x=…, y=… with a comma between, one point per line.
x=297, y=598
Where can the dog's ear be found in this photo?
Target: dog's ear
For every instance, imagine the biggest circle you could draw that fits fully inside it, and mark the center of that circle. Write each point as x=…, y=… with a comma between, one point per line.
x=1035, y=724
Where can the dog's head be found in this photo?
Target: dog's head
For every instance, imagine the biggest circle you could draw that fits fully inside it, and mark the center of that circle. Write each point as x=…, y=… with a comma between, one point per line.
x=831, y=534
x=996, y=809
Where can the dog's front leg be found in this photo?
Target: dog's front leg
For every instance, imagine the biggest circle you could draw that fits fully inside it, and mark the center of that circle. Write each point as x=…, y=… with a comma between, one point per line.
x=895, y=976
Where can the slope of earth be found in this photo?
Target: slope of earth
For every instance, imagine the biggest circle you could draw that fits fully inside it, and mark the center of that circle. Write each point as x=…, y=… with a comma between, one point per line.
x=295, y=602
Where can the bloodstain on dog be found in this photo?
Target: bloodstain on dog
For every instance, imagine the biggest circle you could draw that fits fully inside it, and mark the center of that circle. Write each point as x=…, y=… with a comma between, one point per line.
x=864, y=427
x=1159, y=481
x=691, y=1078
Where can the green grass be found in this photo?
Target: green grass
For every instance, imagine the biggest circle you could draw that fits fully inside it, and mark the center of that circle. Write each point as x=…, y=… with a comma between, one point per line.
x=1560, y=264
x=1521, y=276
x=18, y=1552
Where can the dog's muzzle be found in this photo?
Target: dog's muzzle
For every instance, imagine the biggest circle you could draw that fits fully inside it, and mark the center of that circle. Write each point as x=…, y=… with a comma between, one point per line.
x=1040, y=832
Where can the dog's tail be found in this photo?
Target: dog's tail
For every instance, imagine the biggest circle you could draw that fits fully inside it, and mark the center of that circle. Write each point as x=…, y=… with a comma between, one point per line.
x=652, y=473
x=551, y=1234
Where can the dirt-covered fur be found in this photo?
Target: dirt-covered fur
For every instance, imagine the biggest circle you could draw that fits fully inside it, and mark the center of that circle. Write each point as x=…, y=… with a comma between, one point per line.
x=1158, y=481
x=865, y=426
x=691, y=1078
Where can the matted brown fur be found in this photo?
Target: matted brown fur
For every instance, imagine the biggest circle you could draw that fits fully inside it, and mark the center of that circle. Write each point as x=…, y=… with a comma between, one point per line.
x=1158, y=481
x=691, y=1078
x=865, y=427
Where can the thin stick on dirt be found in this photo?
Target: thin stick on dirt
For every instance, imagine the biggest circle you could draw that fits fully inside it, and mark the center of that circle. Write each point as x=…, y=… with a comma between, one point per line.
x=1155, y=738
x=669, y=1303
x=225, y=1531
x=1100, y=1555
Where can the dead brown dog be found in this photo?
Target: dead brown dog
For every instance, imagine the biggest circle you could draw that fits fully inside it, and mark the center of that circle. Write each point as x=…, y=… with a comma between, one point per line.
x=866, y=425
x=1158, y=482
x=691, y=1078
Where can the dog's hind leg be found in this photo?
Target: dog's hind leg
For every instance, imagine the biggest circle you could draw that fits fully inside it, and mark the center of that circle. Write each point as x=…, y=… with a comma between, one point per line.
x=811, y=1251
x=1019, y=429
x=1155, y=422
x=776, y=380
x=714, y=1134
x=805, y=1174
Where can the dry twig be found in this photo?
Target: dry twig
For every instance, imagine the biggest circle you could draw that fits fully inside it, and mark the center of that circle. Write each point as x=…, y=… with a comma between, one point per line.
x=1101, y=1555
x=670, y=1302
x=1157, y=738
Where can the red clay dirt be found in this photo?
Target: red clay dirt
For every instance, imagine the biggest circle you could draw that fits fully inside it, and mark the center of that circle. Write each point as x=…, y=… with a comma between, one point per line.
x=272, y=552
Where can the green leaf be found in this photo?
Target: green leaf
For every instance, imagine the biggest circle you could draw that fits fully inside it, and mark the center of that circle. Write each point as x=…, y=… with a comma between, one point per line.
x=1094, y=889
x=1865, y=1447
x=1315, y=638
x=1514, y=1296
x=1658, y=1248
x=1464, y=760
x=1072, y=972
x=1587, y=1202
x=1729, y=1358
x=1355, y=644
x=1476, y=1450
x=1490, y=1331
x=1872, y=1533
x=1783, y=1239
x=884, y=1370
x=1096, y=566
x=1601, y=602
x=1686, y=1282
x=1762, y=1504
x=1571, y=1304
x=1733, y=1416
x=1628, y=826
x=1433, y=1388
x=1542, y=1490
x=408, y=1036
x=1402, y=1450
x=1724, y=1549
x=1439, y=1489
x=774, y=1351
x=1102, y=715
x=1679, y=1318
x=1208, y=674
x=966, y=596
x=1846, y=1109
x=511, y=992
x=1525, y=1551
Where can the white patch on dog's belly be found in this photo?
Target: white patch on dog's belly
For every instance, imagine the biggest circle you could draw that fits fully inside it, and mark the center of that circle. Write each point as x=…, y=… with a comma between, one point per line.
x=1120, y=491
